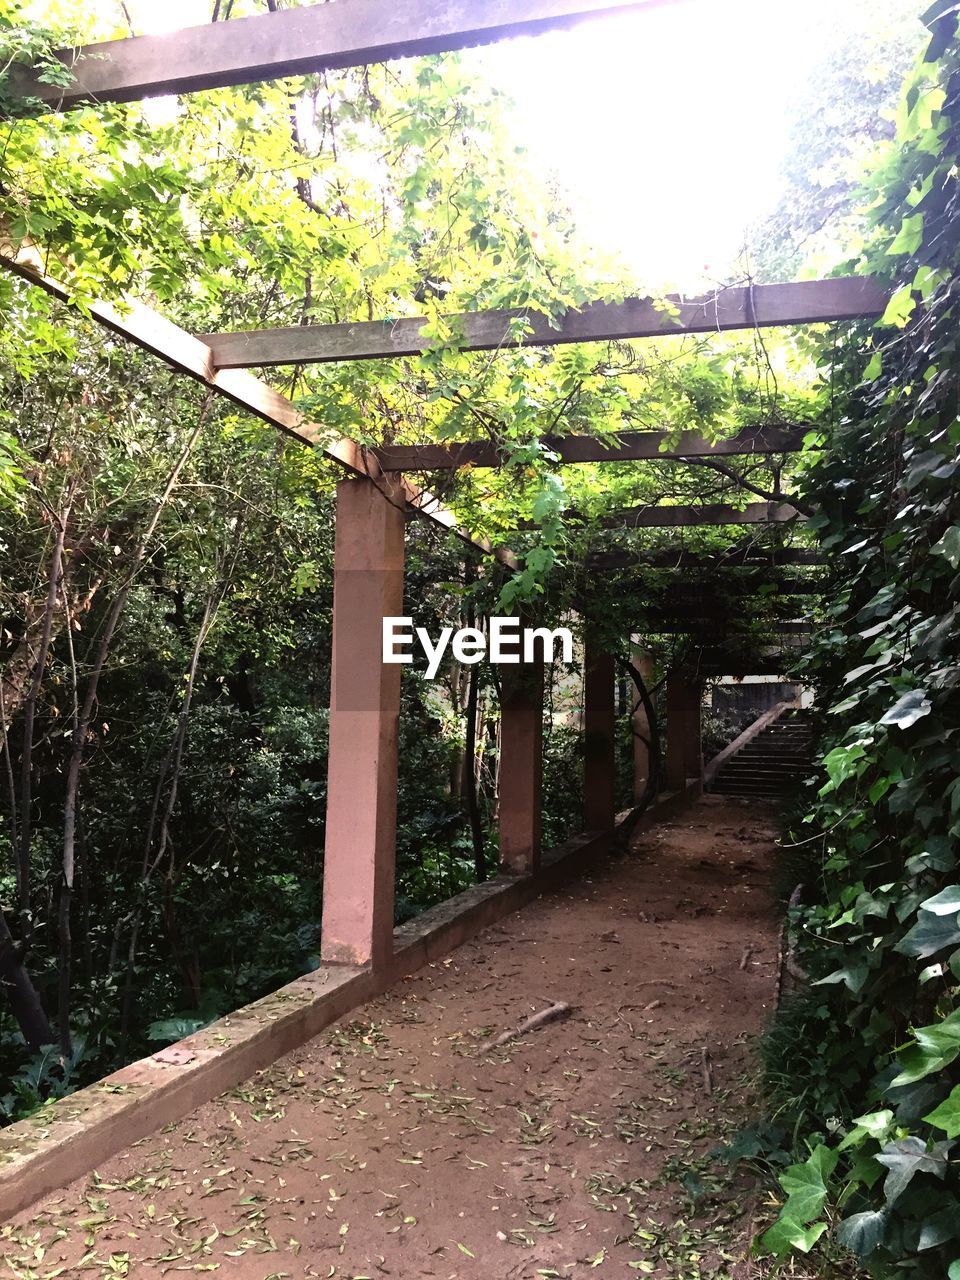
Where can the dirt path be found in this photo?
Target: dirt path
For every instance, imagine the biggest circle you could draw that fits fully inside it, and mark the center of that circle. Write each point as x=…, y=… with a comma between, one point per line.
x=390, y=1147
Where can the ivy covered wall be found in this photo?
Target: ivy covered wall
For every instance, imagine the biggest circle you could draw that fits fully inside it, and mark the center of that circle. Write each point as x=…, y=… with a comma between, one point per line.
x=872, y=1078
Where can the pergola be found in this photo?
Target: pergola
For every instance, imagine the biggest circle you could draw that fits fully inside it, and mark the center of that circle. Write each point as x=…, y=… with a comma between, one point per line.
x=376, y=493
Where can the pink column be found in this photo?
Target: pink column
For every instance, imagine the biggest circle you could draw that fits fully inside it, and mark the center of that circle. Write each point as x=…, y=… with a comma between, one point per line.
x=684, y=753
x=599, y=723
x=521, y=768
x=358, y=873
x=675, y=765
x=693, y=745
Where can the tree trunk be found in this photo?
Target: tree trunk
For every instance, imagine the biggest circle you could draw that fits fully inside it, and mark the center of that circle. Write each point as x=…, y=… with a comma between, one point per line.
x=629, y=824
x=470, y=777
x=29, y=719
x=16, y=677
x=85, y=718
x=25, y=1002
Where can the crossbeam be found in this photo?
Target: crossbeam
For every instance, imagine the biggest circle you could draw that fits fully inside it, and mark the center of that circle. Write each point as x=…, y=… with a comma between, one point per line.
x=750, y=558
x=294, y=42
x=686, y=591
x=661, y=517
x=738, y=307
x=711, y=513
x=187, y=354
x=771, y=664
x=677, y=624
x=632, y=445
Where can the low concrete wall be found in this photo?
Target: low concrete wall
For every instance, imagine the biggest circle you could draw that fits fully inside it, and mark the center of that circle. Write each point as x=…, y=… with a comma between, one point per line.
x=70, y=1137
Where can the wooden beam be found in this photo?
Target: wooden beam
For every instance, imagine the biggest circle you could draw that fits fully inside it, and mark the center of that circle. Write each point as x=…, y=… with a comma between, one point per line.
x=677, y=624
x=295, y=42
x=189, y=355
x=710, y=591
x=738, y=307
x=660, y=517
x=771, y=664
x=714, y=513
x=633, y=445
x=749, y=557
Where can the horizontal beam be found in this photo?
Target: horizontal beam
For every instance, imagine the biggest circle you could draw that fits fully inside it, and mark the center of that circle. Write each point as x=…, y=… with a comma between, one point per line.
x=633, y=445
x=189, y=355
x=294, y=42
x=706, y=593
x=768, y=665
x=678, y=624
x=749, y=558
x=661, y=517
x=712, y=513
x=738, y=307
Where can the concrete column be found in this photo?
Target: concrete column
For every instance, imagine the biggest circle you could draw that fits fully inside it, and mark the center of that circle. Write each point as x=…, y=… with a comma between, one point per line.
x=641, y=726
x=693, y=729
x=599, y=724
x=684, y=753
x=358, y=872
x=521, y=768
x=675, y=764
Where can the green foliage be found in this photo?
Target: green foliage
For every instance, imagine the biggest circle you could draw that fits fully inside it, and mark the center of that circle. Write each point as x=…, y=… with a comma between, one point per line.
x=879, y=935
x=386, y=192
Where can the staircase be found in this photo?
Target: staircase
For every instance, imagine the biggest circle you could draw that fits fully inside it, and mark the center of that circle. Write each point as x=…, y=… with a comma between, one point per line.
x=768, y=765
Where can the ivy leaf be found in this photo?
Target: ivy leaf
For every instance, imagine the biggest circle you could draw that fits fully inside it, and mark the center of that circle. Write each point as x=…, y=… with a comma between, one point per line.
x=947, y=1115
x=910, y=236
x=907, y=1157
x=936, y=1047
x=931, y=933
x=786, y=1234
x=899, y=308
x=806, y=1184
x=945, y=903
x=939, y=1228
x=863, y=1231
x=853, y=976
x=949, y=547
x=908, y=709
x=875, y=1125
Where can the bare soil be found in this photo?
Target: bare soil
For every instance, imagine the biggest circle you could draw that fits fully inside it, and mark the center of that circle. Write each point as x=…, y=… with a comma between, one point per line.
x=390, y=1146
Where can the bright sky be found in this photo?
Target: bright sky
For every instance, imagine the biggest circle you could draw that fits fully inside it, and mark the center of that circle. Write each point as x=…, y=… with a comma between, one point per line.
x=668, y=125
x=665, y=126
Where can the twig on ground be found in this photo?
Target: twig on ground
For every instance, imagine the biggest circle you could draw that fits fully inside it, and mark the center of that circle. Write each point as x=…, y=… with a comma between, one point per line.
x=707, y=1070
x=553, y=1013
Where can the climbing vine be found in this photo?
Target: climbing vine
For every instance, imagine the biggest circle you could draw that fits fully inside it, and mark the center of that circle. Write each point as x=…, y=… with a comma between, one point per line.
x=871, y=1079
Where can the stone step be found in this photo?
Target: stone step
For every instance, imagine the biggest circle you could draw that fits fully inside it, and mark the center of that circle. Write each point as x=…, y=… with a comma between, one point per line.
x=771, y=765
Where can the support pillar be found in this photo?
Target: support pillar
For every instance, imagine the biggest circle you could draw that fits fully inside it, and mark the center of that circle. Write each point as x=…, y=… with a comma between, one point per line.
x=521, y=768
x=684, y=756
x=693, y=729
x=358, y=872
x=675, y=764
x=599, y=744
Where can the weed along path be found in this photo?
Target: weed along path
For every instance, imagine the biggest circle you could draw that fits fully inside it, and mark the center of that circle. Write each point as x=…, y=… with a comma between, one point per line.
x=392, y=1145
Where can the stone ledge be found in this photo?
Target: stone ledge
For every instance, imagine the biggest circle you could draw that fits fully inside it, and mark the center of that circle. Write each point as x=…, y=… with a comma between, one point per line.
x=71, y=1136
